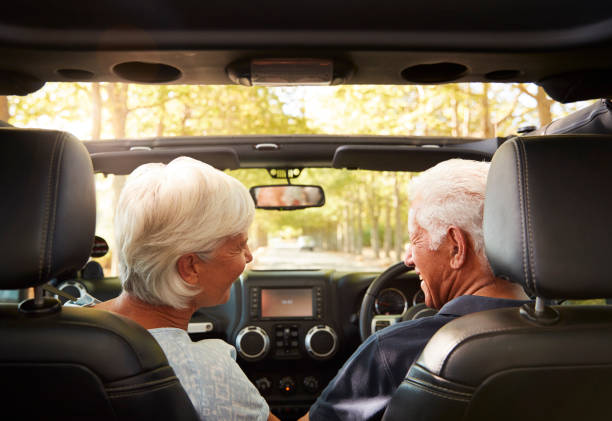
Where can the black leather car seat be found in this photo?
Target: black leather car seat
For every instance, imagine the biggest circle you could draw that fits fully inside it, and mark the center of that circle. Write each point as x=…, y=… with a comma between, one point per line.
x=594, y=119
x=547, y=226
x=66, y=363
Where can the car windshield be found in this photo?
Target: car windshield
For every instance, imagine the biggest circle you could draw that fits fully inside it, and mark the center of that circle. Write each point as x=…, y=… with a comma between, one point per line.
x=337, y=236
x=362, y=225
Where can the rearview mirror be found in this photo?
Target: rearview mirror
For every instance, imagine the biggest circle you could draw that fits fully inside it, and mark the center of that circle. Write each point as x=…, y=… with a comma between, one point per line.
x=287, y=196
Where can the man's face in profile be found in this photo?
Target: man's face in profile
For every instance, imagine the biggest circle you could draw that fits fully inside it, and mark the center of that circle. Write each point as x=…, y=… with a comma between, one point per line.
x=429, y=264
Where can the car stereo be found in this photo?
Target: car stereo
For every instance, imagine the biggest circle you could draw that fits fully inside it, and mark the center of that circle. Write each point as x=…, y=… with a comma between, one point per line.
x=286, y=303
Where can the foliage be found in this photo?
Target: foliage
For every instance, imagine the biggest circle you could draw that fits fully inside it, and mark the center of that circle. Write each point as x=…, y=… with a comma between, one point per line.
x=363, y=208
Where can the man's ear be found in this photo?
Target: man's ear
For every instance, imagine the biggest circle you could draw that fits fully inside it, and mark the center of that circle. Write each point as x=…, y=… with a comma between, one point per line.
x=458, y=242
x=188, y=269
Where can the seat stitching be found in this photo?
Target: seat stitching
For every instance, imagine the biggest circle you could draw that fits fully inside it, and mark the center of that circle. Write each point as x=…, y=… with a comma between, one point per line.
x=424, y=389
x=44, y=233
x=54, y=214
x=171, y=379
x=468, y=336
x=520, y=190
x=116, y=332
x=116, y=395
x=579, y=124
x=423, y=382
x=530, y=245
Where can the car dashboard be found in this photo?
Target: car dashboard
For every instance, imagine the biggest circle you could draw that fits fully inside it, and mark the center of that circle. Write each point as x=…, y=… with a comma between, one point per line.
x=293, y=330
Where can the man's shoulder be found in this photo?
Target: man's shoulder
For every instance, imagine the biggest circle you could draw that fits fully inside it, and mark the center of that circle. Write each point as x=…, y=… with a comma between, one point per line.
x=423, y=324
x=466, y=304
x=409, y=337
x=425, y=327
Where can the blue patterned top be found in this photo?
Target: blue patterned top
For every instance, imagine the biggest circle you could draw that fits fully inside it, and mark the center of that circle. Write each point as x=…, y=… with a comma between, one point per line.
x=208, y=372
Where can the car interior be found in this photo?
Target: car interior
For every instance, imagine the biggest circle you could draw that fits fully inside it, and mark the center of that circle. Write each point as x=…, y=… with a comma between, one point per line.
x=293, y=322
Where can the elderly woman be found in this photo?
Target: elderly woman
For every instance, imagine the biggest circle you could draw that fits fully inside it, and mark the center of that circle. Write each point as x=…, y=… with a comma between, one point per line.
x=181, y=233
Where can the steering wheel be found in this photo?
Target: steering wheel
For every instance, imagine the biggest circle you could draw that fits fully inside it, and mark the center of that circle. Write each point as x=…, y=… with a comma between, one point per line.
x=367, y=305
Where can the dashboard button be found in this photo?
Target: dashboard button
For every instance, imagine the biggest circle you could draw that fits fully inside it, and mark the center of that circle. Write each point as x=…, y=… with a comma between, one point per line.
x=311, y=384
x=263, y=384
x=287, y=385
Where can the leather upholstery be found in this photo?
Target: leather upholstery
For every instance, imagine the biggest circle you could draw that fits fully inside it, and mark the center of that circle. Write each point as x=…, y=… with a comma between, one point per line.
x=546, y=211
x=594, y=119
x=83, y=363
x=545, y=227
x=74, y=363
x=498, y=365
x=49, y=198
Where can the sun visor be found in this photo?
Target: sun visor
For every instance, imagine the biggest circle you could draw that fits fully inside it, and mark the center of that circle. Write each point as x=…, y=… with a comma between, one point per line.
x=124, y=162
x=579, y=86
x=410, y=158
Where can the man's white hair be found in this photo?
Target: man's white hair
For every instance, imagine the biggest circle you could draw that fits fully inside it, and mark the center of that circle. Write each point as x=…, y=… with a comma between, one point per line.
x=450, y=193
x=167, y=211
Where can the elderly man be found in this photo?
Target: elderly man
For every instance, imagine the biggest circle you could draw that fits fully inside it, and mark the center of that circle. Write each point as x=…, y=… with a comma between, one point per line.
x=447, y=250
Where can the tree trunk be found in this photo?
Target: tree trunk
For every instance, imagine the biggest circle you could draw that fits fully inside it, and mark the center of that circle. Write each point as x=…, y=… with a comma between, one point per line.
x=399, y=234
x=4, y=109
x=339, y=235
x=359, y=222
x=388, y=233
x=456, y=118
x=118, y=183
x=345, y=234
x=118, y=104
x=373, y=209
x=468, y=112
x=160, y=124
x=544, y=105
x=350, y=231
x=487, y=127
x=117, y=98
x=96, y=111
x=184, y=120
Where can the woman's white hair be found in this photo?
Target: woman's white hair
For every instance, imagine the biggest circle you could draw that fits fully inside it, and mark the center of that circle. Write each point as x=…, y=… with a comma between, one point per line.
x=450, y=193
x=167, y=211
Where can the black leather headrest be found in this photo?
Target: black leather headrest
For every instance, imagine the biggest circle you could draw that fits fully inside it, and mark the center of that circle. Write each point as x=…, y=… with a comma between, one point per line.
x=48, y=212
x=594, y=119
x=548, y=215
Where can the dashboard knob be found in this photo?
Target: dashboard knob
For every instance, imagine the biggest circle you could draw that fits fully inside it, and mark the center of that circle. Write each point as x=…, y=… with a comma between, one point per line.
x=311, y=384
x=286, y=385
x=321, y=342
x=263, y=384
x=252, y=343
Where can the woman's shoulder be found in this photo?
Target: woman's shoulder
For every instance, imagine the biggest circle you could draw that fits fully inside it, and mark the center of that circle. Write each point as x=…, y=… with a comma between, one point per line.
x=216, y=346
x=174, y=340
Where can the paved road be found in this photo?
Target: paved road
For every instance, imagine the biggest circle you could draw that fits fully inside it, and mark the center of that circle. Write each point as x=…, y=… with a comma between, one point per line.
x=294, y=258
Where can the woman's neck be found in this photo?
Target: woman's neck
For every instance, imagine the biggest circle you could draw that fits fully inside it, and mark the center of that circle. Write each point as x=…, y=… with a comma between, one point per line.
x=149, y=316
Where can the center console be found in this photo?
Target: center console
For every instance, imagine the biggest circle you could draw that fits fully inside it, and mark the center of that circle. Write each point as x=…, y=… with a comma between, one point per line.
x=287, y=340
x=286, y=322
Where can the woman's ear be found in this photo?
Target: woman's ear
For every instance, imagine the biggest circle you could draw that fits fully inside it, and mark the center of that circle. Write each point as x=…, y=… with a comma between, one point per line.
x=458, y=246
x=188, y=269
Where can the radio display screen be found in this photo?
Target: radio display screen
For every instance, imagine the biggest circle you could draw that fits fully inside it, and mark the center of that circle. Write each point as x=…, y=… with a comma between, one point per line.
x=289, y=302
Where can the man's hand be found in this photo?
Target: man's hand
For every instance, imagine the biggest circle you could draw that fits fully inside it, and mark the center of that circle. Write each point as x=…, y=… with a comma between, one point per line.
x=305, y=417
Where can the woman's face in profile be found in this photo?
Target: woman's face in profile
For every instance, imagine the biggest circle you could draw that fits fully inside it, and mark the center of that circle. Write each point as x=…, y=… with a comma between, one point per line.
x=220, y=272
